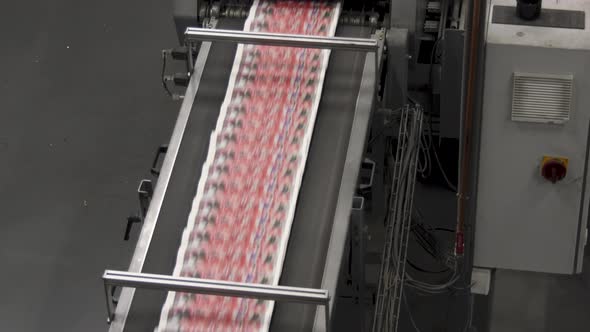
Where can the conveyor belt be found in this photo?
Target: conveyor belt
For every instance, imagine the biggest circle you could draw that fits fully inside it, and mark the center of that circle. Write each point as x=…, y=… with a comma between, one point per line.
x=310, y=234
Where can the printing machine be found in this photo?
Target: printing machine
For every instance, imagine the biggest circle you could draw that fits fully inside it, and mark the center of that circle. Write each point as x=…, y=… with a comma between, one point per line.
x=354, y=87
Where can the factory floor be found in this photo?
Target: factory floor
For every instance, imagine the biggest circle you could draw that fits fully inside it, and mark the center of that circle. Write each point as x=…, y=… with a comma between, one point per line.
x=81, y=114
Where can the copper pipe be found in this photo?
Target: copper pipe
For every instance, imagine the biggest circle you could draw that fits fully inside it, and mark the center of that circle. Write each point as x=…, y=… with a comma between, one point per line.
x=474, y=41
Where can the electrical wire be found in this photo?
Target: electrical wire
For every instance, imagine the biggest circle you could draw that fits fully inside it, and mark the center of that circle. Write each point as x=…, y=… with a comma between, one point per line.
x=429, y=287
x=433, y=56
x=432, y=62
x=427, y=244
x=424, y=237
x=428, y=227
x=433, y=287
x=424, y=156
x=423, y=270
x=469, y=313
x=403, y=166
x=424, y=160
x=410, y=313
x=163, y=78
x=455, y=288
x=412, y=141
x=436, y=158
x=412, y=100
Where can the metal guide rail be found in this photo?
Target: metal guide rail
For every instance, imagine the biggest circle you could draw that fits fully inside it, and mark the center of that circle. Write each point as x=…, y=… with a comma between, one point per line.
x=282, y=39
x=367, y=45
x=211, y=287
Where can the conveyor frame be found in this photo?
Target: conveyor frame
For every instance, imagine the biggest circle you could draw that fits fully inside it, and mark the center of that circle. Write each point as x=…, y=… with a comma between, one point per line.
x=354, y=155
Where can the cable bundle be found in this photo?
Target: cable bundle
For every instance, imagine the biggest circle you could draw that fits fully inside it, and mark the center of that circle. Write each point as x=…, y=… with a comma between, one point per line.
x=398, y=220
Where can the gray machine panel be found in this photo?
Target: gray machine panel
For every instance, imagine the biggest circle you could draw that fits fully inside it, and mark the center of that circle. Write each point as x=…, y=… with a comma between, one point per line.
x=310, y=234
x=523, y=221
x=550, y=18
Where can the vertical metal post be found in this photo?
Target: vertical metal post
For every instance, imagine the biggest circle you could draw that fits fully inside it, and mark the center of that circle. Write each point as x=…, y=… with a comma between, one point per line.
x=358, y=256
x=361, y=262
x=145, y=192
x=377, y=78
x=109, y=298
x=190, y=63
x=327, y=313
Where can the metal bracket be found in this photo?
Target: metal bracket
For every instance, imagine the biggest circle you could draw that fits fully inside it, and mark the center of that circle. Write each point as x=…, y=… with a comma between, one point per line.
x=379, y=36
x=145, y=192
x=371, y=166
x=358, y=203
x=162, y=149
x=111, y=279
x=130, y=221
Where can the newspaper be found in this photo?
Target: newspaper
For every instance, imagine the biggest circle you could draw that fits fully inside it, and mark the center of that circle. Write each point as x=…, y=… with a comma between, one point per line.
x=241, y=217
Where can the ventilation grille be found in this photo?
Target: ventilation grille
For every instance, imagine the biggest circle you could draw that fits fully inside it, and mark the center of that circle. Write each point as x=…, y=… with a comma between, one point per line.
x=542, y=98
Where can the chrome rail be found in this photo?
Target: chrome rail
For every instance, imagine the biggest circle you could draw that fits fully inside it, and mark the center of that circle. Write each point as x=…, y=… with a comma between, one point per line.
x=280, y=39
x=112, y=279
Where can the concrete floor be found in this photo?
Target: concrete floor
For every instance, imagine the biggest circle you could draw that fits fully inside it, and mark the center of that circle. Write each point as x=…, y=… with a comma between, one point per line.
x=538, y=302
x=81, y=114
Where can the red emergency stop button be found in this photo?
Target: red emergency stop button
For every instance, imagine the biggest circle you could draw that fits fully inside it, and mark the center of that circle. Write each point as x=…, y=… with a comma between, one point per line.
x=554, y=169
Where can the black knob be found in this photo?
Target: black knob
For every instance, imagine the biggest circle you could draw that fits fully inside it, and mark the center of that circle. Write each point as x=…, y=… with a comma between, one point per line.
x=528, y=9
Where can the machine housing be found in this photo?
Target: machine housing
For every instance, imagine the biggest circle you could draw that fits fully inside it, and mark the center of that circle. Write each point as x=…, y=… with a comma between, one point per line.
x=535, y=110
